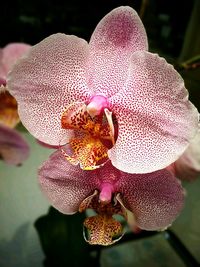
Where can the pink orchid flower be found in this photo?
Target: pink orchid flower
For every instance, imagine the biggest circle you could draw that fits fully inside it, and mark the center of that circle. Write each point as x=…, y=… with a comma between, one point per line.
x=147, y=201
x=13, y=148
x=106, y=99
x=187, y=167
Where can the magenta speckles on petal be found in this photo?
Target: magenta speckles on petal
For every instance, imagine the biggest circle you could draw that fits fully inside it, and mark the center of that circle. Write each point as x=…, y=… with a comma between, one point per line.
x=64, y=184
x=155, y=199
x=156, y=121
x=54, y=75
x=116, y=37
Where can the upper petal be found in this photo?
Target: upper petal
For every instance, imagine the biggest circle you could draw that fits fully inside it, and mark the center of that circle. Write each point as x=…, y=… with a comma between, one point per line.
x=156, y=120
x=65, y=185
x=13, y=148
x=155, y=198
x=116, y=37
x=46, y=80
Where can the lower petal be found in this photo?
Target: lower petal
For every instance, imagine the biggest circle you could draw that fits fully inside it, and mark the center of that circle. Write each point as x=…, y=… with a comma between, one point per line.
x=64, y=184
x=155, y=199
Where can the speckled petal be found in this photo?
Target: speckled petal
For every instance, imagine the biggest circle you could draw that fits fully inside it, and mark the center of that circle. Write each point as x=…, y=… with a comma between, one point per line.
x=64, y=184
x=155, y=199
x=116, y=37
x=49, y=78
x=13, y=148
x=156, y=120
x=8, y=56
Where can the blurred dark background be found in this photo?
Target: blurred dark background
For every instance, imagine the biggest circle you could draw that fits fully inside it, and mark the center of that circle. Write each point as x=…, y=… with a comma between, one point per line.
x=31, y=21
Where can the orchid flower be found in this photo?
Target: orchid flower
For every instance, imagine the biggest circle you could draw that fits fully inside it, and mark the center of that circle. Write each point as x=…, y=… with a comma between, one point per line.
x=148, y=201
x=187, y=167
x=13, y=148
x=109, y=99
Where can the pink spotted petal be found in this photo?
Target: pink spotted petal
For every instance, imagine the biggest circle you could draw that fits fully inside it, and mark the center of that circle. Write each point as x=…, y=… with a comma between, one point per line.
x=187, y=167
x=49, y=78
x=64, y=184
x=155, y=198
x=156, y=120
x=13, y=148
x=116, y=37
x=9, y=55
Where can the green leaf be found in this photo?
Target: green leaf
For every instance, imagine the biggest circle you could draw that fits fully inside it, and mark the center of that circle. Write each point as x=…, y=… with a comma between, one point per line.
x=62, y=239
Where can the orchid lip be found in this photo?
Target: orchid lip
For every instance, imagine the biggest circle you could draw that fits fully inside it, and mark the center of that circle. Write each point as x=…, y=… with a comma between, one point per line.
x=93, y=135
x=102, y=228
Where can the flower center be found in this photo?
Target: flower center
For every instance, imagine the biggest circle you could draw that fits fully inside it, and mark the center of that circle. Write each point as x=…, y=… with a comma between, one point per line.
x=95, y=131
x=97, y=104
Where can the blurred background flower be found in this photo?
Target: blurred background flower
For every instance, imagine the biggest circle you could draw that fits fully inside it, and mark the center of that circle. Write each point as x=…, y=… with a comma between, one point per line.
x=13, y=148
x=187, y=167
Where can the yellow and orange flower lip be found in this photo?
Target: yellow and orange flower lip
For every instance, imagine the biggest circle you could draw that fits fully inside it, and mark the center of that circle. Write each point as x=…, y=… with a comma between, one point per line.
x=97, y=136
x=102, y=229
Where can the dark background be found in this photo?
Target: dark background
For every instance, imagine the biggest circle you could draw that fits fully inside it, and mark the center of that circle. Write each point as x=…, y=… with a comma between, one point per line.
x=31, y=21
